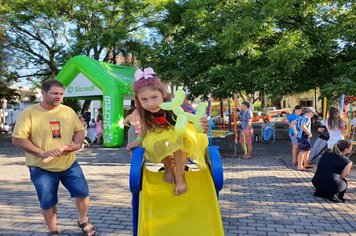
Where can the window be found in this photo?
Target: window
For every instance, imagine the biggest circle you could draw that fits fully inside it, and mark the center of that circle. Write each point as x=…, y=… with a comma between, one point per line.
x=306, y=103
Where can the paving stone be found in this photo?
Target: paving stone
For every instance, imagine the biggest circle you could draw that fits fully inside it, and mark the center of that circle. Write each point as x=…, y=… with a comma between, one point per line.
x=261, y=196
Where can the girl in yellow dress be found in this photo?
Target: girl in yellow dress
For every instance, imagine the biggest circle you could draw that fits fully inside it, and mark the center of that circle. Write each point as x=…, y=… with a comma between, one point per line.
x=161, y=142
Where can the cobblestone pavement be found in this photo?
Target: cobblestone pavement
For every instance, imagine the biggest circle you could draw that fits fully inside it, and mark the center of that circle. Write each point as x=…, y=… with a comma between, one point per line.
x=262, y=196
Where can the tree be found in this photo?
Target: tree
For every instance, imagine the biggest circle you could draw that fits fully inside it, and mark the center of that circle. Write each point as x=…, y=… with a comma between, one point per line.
x=11, y=95
x=272, y=47
x=107, y=29
x=344, y=60
x=34, y=39
x=43, y=35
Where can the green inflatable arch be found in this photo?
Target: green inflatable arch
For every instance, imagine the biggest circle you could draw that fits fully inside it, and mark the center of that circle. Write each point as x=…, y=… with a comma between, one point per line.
x=86, y=78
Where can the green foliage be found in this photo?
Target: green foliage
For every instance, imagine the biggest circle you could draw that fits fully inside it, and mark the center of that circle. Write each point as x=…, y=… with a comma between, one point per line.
x=43, y=35
x=73, y=103
x=257, y=108
x=11, y=95
x=223, y=48
x=277, y=47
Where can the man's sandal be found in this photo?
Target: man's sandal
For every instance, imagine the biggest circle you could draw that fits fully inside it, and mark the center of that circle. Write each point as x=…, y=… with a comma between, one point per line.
x=89, y=231
x=51, y=233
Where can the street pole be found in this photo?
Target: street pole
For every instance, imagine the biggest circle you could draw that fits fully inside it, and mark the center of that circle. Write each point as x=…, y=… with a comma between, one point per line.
x=11, y=115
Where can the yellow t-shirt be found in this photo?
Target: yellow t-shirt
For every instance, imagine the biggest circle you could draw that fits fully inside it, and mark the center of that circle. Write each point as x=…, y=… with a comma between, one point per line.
x=48, y=130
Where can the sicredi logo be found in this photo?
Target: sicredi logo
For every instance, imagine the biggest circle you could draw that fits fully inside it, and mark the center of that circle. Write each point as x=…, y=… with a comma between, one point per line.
x=82, y=86
x=70, y=89
x=108, y=136
x=83, y=89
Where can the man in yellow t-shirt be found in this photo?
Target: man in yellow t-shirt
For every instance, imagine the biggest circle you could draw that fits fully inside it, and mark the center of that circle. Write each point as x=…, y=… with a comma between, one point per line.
x=49, y=133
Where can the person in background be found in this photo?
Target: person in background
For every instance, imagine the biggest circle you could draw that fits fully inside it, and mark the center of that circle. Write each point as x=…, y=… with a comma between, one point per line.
x=133, y=121
x=86, y=115
x=92, y=131
x=99, y=129
x=353, y=121
x=304, y=136
x=86, y=143
x=267, y=130
x=336, y=126
x=292, y=120
x=330, y=177
x=6, y=128
x=321, y=143
x=247, y=130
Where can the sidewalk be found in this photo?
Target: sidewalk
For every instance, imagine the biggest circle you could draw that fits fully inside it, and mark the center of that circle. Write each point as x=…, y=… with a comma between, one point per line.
x=262, y=196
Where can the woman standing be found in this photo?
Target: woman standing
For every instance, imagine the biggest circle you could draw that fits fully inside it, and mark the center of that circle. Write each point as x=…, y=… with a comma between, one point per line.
x=336, y=126
x=333, y=167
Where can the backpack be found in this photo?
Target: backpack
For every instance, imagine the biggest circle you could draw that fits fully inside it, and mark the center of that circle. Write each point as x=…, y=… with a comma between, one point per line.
x=325, y=134
x=298, y=127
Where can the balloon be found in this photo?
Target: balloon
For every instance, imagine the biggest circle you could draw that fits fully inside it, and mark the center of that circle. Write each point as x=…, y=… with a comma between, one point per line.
x=324, y=108
x=182, y=116
x=342, y=100
x=244, y=141
x=195, y=119
x=181, y=124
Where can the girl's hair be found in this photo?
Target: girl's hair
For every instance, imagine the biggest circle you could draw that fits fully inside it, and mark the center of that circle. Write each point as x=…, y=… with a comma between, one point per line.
x=335, y=120
x=99, y=117
x=154, y=84
x=340, y=146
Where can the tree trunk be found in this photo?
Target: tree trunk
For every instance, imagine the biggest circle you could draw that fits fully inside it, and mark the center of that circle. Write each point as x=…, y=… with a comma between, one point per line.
x=263, y=99
x=85, y=106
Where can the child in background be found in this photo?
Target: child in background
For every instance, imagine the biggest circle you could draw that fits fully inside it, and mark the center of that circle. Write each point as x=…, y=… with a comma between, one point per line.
x=85, y=124
x=291, y=120
x=99, y=129
x=304, y=135
x=158, y=135
x=247, y=130
x=133, y=121
x=92, y=131
x=267, y=130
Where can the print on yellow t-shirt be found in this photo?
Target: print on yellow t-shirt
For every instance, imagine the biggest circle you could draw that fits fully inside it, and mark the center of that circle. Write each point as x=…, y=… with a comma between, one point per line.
x=55, y=128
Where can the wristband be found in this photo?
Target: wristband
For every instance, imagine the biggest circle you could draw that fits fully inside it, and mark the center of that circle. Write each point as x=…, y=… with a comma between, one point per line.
x=139, y=138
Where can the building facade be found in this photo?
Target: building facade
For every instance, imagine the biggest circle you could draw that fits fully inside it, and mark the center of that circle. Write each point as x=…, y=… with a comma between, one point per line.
x=305, y=99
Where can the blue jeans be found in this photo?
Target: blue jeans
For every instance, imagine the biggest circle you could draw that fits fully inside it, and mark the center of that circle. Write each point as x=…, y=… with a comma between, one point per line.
x=267, y=134
x=47, y=182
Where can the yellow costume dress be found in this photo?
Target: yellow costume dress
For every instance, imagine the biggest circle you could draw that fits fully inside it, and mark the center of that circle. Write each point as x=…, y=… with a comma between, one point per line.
x=162, y=142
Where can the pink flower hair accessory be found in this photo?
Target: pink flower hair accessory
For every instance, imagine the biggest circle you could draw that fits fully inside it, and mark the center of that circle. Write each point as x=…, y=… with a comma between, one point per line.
x=145, y=74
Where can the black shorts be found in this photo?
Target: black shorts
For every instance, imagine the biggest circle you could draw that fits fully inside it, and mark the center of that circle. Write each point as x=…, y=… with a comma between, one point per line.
x=304, y=144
